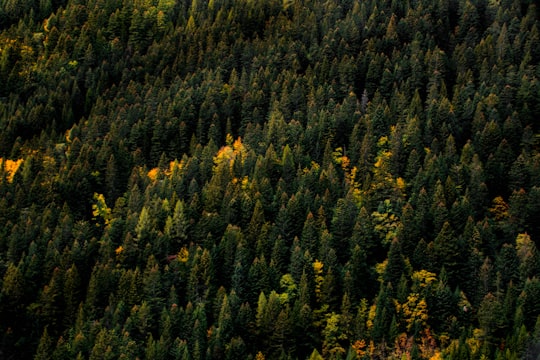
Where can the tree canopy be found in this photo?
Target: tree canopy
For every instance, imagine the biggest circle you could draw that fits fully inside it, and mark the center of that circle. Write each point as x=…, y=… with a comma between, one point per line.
x=298, y=179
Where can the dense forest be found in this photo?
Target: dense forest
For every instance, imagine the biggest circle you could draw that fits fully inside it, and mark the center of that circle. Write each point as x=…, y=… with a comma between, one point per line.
x=278, y=179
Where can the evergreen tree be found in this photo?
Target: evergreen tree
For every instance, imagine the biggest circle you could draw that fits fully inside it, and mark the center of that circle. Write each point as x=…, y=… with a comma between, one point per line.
x=163, y=164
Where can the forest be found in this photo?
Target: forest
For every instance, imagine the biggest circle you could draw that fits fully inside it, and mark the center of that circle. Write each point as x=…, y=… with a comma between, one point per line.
x=278, y=179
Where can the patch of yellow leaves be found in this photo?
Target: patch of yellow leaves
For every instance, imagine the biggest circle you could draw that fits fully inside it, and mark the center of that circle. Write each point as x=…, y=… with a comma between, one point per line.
x=400, y=183
x=500, y=209
x=350, y=173
x=183, y=255
x=10, y=167
x=319, y=279
x=415, y=311
x=100, y=209
x=358, y=347
x=228, y=154
x=424, y=278
x=173, y=166
x=152, y=174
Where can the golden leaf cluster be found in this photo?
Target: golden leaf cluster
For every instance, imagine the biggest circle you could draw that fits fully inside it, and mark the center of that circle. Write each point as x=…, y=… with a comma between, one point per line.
x=10, y=167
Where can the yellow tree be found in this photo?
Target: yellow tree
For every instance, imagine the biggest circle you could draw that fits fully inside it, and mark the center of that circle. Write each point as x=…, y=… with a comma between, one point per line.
x=332, y=349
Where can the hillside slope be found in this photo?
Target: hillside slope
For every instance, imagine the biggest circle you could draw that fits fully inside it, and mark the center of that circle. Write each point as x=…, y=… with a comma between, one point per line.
x=297, y=179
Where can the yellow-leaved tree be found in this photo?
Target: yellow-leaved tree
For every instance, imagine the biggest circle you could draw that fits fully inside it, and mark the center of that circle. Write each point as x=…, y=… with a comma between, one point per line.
x=100, y=209
x=10, y=167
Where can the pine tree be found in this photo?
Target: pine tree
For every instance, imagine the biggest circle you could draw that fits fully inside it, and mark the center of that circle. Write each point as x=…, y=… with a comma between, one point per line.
x=383, y=314
x=342, y=225
x=45, y=347
x=177, y=225
x=447, y=249
x=395, y=266
x=72, y=298
x=12, y=294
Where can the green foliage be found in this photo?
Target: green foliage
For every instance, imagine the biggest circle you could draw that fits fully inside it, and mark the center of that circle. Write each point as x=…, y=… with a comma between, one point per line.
x=226, y=179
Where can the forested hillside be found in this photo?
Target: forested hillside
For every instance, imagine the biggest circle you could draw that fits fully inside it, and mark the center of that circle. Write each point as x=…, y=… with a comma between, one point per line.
x=278, y=179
